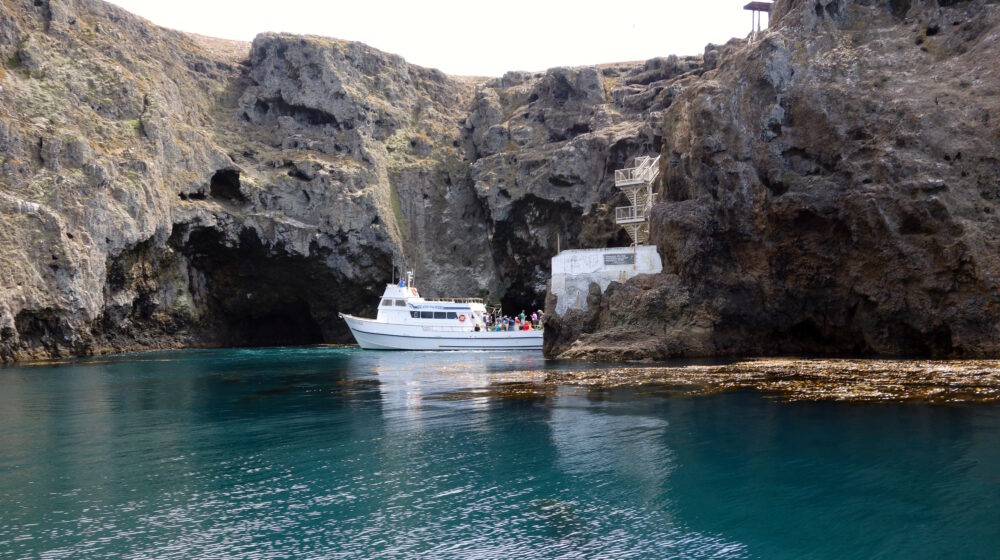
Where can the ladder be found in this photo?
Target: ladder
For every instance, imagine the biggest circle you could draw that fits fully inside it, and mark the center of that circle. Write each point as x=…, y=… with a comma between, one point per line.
x=637, y=184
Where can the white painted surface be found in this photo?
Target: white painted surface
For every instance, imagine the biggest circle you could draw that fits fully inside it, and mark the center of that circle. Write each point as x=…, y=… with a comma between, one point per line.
x=574, y=270
x=406, y=321
x=378, y=335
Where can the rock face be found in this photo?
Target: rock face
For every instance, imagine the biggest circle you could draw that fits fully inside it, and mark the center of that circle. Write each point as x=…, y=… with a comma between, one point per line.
x=831, y=188
x=159, y=189
x=544, y=148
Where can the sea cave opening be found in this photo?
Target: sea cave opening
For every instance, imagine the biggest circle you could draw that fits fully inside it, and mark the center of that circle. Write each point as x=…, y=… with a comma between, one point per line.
x=254, y=295
x=288, y=324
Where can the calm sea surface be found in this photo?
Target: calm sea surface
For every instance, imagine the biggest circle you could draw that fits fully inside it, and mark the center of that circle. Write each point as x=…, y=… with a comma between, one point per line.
x=343, y=453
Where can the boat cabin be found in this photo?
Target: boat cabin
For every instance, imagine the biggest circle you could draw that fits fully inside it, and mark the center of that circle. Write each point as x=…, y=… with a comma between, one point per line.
x=402, y=304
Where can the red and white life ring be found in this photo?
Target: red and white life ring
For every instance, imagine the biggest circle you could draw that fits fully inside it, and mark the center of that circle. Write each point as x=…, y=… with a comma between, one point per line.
x=413, y=291
x=461, y=318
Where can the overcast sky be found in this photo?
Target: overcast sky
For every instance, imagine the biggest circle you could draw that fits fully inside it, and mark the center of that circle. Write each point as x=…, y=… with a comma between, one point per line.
x=473, y=38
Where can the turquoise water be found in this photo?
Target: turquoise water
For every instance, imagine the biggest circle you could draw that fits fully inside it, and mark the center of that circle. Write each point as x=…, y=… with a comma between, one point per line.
x=341, y=453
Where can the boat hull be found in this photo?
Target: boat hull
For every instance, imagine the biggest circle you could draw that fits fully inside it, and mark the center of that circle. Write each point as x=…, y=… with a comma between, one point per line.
x=373, y=335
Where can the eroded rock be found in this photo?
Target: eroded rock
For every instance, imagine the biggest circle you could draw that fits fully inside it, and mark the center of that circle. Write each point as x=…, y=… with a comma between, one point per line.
x=814, y=200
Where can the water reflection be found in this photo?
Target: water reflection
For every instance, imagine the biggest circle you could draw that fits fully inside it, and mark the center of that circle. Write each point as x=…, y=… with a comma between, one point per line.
x=566, y=454
x=322, y=452
x=407, y=379
x=608, y=439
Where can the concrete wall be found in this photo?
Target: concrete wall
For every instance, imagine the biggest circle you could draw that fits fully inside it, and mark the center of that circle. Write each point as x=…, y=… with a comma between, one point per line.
x=574, y=270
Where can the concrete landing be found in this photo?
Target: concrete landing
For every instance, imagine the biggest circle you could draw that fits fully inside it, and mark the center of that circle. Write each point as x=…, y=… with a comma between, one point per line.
x=574, y=270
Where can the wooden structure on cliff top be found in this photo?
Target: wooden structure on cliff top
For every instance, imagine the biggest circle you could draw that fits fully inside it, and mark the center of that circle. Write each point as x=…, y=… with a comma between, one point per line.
x=637, y=184
x=756, y=9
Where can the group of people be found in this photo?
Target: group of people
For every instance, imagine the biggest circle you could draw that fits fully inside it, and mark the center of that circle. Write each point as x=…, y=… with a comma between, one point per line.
x=494, y=321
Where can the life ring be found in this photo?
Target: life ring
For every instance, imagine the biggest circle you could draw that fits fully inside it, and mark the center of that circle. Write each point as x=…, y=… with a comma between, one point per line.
x=461, y=318
x=413, y=291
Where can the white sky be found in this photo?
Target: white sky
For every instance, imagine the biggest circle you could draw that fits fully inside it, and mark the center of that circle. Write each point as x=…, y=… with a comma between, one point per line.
x=473, y=38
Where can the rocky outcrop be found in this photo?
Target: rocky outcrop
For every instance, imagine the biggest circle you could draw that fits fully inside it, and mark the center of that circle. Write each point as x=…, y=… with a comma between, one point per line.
x=95, y=140
x=195, y=191
x=161, y=189
x=831, y=188
x=544, y=150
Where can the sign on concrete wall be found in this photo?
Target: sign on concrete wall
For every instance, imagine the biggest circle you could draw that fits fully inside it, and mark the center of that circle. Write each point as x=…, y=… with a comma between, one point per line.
x=619, y=258
x=574, y=270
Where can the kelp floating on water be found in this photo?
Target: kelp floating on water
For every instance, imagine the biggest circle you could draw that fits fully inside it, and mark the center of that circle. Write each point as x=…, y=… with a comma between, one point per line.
x=802, y=379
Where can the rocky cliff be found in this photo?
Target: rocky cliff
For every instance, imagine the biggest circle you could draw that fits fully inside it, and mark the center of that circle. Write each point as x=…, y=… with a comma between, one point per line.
x=828, y=187
x=159, y=189
x=832, y=187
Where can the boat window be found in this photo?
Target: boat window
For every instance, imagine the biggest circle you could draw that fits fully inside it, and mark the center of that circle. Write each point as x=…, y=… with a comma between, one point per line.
x=426, y=315
x=440, y=314
x=387, y=302
x=452, y=315
x=400, y=303
x=415, y=314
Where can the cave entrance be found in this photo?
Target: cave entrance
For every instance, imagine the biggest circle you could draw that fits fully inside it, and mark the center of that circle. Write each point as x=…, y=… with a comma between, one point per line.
x=290, y=324
x=521, y=299
x=257, y=295
x=226, y=185
x=526, y=263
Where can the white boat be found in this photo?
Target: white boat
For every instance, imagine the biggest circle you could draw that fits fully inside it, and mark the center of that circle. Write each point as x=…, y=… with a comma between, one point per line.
x=407, y=321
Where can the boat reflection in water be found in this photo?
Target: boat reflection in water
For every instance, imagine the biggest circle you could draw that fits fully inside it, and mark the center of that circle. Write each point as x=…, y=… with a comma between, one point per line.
x=407, y=382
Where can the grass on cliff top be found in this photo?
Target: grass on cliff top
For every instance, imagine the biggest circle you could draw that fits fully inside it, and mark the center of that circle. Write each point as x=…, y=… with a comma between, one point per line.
x=609, y=83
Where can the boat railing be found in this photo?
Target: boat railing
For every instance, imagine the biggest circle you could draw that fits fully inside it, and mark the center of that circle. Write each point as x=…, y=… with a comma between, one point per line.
x=455, y=300
x=442, y=328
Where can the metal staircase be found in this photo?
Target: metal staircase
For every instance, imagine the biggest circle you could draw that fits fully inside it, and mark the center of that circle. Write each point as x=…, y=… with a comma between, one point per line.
x=637, y=184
